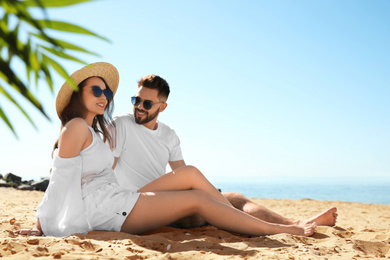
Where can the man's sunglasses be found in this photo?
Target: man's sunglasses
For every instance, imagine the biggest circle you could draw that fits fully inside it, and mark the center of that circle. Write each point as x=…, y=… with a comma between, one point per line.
x=97, y=92
x=147, y=104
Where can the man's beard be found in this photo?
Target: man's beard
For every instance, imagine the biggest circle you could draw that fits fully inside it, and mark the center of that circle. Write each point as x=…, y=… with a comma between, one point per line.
x=148, y=117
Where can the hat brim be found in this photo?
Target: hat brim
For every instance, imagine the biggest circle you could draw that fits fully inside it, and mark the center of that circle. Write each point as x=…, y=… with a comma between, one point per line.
x=99, y=69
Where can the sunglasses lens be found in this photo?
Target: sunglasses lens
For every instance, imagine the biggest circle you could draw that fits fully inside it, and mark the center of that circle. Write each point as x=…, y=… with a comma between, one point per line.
x=108, y=93
x=147, y=104
x=135, y=101
x=97, y=92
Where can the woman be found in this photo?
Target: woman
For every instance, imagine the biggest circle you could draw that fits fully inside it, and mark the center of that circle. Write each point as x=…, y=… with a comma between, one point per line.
x=84, y=195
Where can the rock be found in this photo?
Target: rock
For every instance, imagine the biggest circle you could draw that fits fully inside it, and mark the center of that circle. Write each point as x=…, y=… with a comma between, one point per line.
x=11, y=180
x=41, y=184
x=25, y=187
x=3, y=183
x=10, y=177
x=27, y=182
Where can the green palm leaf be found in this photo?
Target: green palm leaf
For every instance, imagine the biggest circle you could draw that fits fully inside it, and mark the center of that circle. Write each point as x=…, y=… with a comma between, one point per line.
x=63, y=55
x=9, y=76
x=48, y=77
x=60, y=70
x=52, y=3
x=67, y=27
x=5, y=119
x=67, y=45
x=40, y=53
x=8, y=96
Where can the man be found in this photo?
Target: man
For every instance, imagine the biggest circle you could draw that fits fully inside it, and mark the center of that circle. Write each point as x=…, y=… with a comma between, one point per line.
x=144, y=146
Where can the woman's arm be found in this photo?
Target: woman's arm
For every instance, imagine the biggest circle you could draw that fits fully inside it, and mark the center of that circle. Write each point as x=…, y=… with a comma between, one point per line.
x=74, y=137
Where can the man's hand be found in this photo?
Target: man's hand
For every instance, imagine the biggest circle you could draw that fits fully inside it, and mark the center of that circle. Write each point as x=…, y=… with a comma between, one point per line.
x=176, y=164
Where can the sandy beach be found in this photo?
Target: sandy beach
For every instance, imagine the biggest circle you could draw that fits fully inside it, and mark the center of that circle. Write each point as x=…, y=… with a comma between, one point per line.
x=362, y=232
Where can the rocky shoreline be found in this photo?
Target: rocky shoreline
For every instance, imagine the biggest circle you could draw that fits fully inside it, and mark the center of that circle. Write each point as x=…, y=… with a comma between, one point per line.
x=11, y=180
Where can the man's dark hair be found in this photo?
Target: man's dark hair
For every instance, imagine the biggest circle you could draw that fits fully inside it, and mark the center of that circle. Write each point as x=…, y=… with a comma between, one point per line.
x=155, y=82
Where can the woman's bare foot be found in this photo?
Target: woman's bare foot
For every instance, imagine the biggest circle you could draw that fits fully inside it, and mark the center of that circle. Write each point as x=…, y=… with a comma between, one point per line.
x=307, y=229
x=326, y=218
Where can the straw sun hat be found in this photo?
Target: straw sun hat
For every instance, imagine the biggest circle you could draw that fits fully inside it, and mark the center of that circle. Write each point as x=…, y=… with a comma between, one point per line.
x=99, y=69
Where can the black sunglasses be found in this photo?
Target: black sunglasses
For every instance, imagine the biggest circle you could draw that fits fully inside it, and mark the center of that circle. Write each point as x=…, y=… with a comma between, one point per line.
x=147, y=104
x=97, y=92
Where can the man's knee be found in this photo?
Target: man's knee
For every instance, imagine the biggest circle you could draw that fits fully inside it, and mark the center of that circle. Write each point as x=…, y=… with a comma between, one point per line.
x=236, y=199
x=234, y=196
x=189, y=222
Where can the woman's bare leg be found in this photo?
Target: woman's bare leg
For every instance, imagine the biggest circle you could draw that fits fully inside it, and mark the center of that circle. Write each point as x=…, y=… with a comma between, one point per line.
x=157, y=209
x=184, y=178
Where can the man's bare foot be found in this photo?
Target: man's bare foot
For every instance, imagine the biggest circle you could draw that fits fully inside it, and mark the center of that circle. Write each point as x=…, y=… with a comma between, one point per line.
x=326, y=218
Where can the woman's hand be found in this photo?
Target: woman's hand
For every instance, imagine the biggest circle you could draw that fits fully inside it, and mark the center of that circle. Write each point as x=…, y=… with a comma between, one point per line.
x=35, y=231
x=29, y=232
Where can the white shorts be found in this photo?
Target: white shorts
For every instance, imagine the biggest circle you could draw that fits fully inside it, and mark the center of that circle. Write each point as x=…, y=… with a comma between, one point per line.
x=108, y=207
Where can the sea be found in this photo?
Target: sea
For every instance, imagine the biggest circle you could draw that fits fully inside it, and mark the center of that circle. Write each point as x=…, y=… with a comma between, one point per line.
x=362, y=190
x=374, y=190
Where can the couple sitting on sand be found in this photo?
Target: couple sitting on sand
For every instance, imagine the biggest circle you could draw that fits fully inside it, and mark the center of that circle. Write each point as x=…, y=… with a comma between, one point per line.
x=85, y=193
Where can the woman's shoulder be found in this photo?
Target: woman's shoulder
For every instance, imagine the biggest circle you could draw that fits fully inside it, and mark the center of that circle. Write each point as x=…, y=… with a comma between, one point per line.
x=76, y=122
x=73, y=137
x=76, y=126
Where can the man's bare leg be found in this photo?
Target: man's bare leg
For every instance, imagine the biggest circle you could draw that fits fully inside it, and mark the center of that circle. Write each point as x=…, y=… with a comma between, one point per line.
x=239, y=201
x=326, y=218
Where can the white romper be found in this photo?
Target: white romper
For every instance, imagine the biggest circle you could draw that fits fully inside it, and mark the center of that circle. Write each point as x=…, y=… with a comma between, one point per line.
x=83, y=193
x=107, y=204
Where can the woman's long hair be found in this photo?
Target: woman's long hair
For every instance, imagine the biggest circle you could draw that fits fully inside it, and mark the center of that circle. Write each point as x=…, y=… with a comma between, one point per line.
x=76, y=108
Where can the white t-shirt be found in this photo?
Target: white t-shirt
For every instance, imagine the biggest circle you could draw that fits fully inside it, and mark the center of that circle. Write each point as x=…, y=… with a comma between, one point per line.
x=143, y=153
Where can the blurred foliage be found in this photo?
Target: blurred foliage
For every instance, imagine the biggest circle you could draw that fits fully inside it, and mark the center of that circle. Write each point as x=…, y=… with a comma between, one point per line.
x=26, y=38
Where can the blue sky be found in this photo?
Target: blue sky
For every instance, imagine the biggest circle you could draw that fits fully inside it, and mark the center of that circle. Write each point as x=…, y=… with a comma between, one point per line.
x=258, y=88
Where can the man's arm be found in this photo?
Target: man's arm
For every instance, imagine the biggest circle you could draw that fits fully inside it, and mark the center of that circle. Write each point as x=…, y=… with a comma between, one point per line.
x=176, y=164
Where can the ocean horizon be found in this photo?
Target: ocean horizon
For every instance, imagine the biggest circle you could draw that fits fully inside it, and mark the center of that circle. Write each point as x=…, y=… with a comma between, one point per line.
x=374, y=190
x=361, y=190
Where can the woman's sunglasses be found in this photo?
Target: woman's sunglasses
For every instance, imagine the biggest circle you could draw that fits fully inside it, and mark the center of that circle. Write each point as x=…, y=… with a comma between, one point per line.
x=147, y=104
x=97, y=92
